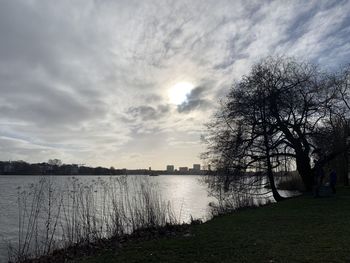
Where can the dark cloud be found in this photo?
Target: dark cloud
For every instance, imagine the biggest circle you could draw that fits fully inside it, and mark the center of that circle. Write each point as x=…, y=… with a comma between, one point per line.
x=42, y=104
x=146, y=113
x=195, y=100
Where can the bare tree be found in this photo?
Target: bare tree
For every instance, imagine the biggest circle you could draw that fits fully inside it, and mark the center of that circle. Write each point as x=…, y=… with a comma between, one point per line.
x=272, y=117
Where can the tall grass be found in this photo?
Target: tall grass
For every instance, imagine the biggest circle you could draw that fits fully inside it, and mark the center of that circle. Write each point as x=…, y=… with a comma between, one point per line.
x=290, y=181
x=52, y=217
x=234, y=201
x=237, y=192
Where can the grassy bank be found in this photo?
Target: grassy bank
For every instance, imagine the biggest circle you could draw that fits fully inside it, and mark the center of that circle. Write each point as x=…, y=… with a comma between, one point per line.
x=303, y=229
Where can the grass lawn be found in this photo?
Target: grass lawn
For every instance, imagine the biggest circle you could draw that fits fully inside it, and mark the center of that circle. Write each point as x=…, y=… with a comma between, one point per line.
x=303, y=229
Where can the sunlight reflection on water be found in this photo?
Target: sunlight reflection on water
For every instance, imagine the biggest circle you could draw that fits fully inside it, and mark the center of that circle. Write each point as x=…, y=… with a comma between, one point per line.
x=187, y=195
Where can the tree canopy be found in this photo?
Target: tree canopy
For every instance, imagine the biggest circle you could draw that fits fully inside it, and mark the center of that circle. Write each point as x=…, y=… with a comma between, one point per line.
x=274, y=119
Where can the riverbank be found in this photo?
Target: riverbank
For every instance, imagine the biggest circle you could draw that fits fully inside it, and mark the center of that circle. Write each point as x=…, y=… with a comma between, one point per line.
x=68, y=216
x=302, y=229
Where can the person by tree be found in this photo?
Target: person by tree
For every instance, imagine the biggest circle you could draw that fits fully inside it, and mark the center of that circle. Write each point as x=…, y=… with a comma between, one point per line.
x=333, y=180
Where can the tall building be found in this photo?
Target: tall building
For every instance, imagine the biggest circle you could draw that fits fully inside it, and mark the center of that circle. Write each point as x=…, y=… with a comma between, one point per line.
x=196, y=167
x=183, y=169
x=170, y=168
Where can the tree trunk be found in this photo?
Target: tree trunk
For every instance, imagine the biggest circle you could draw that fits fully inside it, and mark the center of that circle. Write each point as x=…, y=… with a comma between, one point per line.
x=270, y=175
x=275, y=192
x=305, y=171
x=346, y=164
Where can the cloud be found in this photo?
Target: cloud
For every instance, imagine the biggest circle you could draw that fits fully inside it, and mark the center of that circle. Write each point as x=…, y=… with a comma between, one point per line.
x=195, y=100
x=88, y=81
x=146, y=113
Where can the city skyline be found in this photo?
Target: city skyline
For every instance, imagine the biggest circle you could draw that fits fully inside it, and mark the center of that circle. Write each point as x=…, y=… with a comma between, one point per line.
x=168, y=167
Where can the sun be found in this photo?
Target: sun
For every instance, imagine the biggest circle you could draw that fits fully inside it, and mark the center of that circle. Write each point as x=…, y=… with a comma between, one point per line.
x=178, y=93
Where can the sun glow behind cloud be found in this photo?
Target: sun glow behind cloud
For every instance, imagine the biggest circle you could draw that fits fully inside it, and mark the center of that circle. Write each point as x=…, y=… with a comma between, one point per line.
x=179, y=92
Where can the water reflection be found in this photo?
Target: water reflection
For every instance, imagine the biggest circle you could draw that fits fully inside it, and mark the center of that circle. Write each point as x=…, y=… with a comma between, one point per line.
x=187, y=196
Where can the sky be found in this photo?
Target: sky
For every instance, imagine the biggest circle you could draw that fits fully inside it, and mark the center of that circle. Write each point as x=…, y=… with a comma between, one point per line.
x=129, y=83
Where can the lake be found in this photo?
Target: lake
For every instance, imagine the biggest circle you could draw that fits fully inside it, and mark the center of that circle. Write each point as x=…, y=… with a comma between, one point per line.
x=187, y=195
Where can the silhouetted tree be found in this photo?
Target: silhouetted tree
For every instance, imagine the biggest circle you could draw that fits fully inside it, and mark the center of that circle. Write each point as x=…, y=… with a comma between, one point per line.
x=272, y=117
x=55, y=162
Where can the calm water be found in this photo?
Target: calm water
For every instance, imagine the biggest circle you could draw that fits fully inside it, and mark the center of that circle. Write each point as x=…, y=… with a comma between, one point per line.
x=187, y=195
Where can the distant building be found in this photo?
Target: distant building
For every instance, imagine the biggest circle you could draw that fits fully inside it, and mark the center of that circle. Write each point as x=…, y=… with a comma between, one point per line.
x=170, y=168
x=8, y=168
x=196, y=167
x=183, y=169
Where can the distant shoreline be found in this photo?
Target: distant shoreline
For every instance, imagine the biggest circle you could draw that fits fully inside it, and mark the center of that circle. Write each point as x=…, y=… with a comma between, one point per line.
x=56, y=167
x=161, y=174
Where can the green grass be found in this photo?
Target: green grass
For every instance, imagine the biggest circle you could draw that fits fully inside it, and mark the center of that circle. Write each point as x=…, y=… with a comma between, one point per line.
x=302, y=229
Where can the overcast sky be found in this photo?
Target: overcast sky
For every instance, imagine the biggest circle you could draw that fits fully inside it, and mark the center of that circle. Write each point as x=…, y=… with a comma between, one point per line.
x=89, y=81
